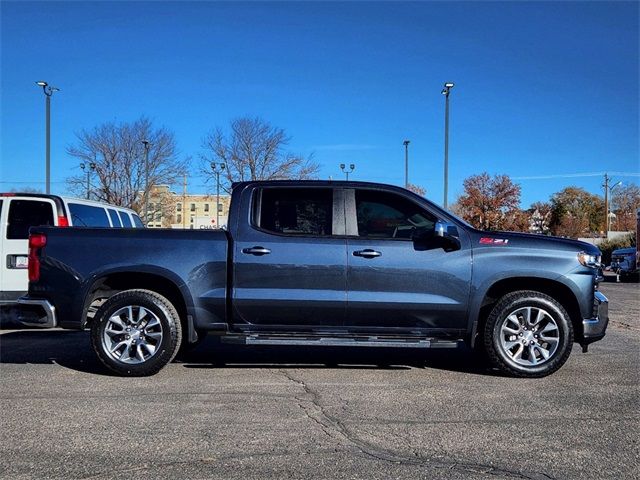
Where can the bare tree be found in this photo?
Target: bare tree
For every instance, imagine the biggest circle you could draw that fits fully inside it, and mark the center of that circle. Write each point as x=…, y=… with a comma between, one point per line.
x=490, y=203
x=253, y=149
x=118, y=153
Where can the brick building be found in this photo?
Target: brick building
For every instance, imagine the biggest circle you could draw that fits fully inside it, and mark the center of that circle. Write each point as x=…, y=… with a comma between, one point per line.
x=169, y=209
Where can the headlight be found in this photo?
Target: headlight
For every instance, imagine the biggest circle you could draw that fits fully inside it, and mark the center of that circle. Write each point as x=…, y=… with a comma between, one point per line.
x=588, y=260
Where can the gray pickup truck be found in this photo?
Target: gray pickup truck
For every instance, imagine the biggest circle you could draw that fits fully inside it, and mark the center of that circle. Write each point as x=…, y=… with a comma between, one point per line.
x=319, y=263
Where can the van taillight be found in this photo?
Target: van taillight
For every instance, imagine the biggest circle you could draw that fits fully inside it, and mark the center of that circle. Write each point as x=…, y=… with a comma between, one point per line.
x=62, y=221
x=36, y=242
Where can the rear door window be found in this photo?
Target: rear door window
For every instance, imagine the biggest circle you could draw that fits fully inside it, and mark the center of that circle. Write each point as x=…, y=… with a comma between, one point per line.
x=296, y=211
x=88, y=216
x=115, y=220
x=124, y=216
x=27, y=213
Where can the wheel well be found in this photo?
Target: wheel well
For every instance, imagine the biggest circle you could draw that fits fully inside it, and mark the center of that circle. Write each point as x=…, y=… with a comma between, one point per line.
x=554, y=289
x=117, y=282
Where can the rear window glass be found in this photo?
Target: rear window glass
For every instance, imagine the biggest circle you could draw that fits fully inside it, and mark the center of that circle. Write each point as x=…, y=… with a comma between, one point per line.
x=125, y=219
x=114, y=217
x=27, y=213
x=137, y=221
x=88, y=216
x=297, y=211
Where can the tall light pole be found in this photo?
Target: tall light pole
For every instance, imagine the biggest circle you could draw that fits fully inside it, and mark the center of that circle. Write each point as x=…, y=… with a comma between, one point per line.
x=446, y=91
x=607, y=191
x=352, y=167
x=406, y=163
x=89, y=167
x=218, y=168
x=147, y=190
x=48, y=91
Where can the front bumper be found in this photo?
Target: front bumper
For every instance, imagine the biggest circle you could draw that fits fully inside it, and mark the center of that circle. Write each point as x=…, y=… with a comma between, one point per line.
x=36, y=313
x=593, y=329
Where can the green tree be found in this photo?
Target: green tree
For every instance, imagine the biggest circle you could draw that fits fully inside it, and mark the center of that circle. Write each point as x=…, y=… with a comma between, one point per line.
x=576, y=212
x=625, y=201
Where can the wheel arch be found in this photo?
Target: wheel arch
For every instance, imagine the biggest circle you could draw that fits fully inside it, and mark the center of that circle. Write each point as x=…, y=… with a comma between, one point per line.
x=164, y=283
x=553, y=288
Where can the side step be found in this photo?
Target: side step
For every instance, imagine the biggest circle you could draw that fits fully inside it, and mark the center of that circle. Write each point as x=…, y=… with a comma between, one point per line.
x=373, y=341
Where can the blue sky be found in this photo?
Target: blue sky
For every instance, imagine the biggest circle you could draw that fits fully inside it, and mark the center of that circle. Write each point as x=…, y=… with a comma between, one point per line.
x=541, y=89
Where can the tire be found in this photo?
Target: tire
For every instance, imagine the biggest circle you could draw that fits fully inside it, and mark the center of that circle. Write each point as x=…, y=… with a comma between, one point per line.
x=528, y=334
x=136, y=333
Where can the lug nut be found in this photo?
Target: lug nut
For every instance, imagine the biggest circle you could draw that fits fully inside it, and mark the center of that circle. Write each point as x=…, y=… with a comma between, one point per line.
x=520, y=334
x=532, y=342
x=127, y=337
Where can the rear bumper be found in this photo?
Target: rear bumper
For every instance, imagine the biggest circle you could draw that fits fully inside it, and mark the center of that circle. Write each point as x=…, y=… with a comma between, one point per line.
x=36, y=313
x=594, y=328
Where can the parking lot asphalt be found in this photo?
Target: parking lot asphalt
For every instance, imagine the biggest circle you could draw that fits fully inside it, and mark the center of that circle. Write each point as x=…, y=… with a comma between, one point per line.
x=230, y=412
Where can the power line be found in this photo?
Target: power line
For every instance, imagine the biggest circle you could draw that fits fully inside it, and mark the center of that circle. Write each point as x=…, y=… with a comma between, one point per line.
x=575, y=175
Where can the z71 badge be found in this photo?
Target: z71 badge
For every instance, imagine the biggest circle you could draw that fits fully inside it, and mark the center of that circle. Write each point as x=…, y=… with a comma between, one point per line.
x=493, y=241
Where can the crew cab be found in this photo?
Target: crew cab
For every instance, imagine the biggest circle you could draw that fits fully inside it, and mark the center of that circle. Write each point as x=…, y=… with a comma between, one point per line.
x=354, y=264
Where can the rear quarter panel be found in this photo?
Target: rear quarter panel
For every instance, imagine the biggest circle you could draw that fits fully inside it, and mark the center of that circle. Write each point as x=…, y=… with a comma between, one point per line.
x=74, y=259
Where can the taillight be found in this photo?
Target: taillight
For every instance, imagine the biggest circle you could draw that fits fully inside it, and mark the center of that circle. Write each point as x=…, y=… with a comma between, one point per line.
x=63, y=221
x=36, y=242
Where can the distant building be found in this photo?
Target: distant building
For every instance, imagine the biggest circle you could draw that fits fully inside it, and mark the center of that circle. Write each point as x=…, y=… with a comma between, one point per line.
x=169, y=209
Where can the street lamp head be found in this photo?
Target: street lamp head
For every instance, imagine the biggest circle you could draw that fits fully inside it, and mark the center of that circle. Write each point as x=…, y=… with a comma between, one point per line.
x=342, y=165
x=406, y=142
x=42, y=83
x=352, y=167
x=223, y=166
x=449, y=85
x=444, y=91
x=92, y=166
x=82, y=166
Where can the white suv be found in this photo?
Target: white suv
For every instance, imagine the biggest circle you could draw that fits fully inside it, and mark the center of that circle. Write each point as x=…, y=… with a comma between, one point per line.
x=19, y=211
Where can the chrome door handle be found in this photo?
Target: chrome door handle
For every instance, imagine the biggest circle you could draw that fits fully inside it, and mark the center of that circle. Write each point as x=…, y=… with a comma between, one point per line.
x=259, y=251
x=367, y=253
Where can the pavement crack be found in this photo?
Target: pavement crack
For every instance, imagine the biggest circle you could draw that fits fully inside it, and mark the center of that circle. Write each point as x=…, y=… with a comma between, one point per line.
x=312, y=407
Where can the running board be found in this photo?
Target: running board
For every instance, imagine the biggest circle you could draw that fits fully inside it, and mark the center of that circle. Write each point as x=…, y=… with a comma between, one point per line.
x=393, y=342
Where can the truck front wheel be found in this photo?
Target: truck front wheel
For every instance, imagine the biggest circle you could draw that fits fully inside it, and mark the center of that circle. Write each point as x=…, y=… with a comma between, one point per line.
x=136, y=333
x=528, y=334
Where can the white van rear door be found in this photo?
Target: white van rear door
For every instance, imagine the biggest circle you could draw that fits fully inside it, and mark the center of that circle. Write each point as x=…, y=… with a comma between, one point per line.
x=19, y=214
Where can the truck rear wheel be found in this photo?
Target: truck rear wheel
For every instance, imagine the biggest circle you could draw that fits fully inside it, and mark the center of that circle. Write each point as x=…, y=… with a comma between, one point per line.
x=528, y=334
x=136, y=333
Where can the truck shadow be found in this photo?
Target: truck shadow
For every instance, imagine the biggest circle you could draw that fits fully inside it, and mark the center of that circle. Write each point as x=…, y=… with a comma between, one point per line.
x=71, y=349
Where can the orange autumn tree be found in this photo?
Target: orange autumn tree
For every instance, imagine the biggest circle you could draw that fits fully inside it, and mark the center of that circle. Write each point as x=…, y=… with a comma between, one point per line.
x=491, y=203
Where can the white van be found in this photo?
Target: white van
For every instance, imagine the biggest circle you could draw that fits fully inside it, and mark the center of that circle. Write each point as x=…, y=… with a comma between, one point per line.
x=19, y=211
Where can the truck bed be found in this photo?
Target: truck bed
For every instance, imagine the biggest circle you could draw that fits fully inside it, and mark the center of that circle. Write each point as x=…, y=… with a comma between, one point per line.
x=194, y=261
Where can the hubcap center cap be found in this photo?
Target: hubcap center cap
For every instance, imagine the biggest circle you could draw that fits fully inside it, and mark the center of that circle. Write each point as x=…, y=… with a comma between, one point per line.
x=527, y=335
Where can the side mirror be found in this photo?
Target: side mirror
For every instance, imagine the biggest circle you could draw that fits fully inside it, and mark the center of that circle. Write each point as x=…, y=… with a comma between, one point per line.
x=439, y=237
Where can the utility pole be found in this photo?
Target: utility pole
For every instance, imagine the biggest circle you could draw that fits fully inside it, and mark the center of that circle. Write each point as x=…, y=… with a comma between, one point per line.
x=147, y=190
x=218, y=168
x=48, y=92
x=90, y=167
x=352, y=167
x=406, y=163
x=608, y=190
x=446, y=91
